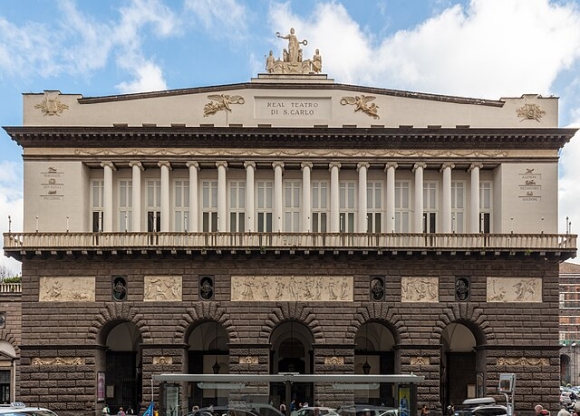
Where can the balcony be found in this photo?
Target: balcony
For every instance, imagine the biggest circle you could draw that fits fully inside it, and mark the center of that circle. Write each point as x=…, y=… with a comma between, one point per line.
x=18, y=245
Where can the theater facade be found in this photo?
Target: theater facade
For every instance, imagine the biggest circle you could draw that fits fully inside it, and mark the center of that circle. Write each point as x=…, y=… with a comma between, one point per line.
x=289, y=224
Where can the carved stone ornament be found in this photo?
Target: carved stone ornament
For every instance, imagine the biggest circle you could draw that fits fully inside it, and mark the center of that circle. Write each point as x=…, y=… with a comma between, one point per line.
x=419, y=289
x=530, y=112
x=222, y=102
x=420, y=361
x=162, y=360
x=333, y=361
x=51, y=105
x=360, y=103
x=162, y=288
x=292, y=61
x=514, y=289
x=249, y=359
x=66, y=289
x=58, y=361
x=524, y=361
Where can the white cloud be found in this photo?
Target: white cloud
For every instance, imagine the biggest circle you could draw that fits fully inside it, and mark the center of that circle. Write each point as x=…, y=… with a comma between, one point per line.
x=148, y=77
x=221, y=18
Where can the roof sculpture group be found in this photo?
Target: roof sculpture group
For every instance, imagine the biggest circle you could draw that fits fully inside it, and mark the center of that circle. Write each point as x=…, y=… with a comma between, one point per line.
x=292, y=61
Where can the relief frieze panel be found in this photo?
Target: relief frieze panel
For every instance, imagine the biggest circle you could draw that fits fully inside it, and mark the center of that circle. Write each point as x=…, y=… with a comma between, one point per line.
x=66, y=289
x=514, y=289
x=292, y=288
x=524, y=361
x=162, y=288
x=54, y=361
x=419, y=289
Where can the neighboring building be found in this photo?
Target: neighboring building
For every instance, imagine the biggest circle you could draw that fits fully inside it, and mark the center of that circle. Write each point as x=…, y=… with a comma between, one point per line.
x=288, y=224
x=570, y=323
x=10, y=339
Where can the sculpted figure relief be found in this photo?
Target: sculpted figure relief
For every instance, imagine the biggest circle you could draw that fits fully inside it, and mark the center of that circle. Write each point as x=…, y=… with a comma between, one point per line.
x=293, y=61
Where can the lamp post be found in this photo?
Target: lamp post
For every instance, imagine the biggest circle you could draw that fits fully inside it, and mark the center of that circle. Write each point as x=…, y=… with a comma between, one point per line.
x=366, y=366
x=573, y=364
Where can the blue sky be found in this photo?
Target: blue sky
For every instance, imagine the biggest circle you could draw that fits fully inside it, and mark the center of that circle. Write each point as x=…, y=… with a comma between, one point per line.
x=478, y=48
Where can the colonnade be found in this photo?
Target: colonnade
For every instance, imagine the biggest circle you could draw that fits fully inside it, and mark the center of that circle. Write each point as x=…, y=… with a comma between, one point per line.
x=306, y=208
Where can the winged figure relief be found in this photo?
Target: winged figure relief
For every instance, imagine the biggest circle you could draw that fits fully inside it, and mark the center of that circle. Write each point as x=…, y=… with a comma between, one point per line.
x=361, y=104
x=221, y=102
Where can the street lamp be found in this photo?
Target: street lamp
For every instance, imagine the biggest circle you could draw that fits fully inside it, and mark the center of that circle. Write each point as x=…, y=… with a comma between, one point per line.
x=366, y=366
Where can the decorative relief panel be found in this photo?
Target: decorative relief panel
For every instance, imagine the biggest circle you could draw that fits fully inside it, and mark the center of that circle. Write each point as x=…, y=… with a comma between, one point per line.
x=66, y=289
x=58, y=361
x=333, y=361
x=162, y=360
x=162, y=288
x=419, y=289
x=221, y=102
x=420, y=361
x=292, y=288
x=530, y=112
x=361, y=104
x=530, y=185
x=524, y=361
x=51, y=105
x=250, y=359
x=514, y=289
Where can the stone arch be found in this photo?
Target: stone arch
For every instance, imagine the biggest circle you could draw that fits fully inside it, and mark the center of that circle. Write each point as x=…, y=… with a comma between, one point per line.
x=380, y=313
x=205, y=311
x=292, y=311
x=118, y=311
x=469, y=315
x=9, y=337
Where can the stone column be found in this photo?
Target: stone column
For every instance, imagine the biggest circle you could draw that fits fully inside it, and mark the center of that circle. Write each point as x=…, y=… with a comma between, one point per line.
x=136, y=167
x=418, y=169
x=108, y=168
x=278, y=192
x=193, y=219
x=474, y=197
x=362, y=169
x=306, y=197
x=390, y=169
x=221, y=196
x=334, y=168
x=165, y=212
x=250, y=208
x=446, y=208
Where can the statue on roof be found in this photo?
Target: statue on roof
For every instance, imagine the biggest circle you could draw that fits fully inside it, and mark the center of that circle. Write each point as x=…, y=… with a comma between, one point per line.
x=292, y=61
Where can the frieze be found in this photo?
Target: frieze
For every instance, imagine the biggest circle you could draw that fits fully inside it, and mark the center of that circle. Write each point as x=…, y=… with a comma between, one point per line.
x=514, y=289
x=419, y=289
x=58, y=361
x=162, y=288
x=249, y=359
x=221, y=102
x=292, y=288
x=333, y=361
x=386, y=153
x=524, y=361
x=66, y=289
x=361, y=104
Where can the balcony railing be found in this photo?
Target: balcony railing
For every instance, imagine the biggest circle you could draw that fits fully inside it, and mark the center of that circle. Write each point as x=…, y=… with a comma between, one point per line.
x=16, y=244
x=10, y=287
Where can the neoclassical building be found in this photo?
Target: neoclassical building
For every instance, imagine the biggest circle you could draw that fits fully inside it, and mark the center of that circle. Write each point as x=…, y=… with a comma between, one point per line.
x=287, y=224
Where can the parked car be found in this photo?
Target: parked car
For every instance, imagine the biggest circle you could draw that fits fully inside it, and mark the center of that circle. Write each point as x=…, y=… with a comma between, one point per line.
x=20, y=409
x=481, y=406
x=366, y=410
x=250, y=409
x=309, y=411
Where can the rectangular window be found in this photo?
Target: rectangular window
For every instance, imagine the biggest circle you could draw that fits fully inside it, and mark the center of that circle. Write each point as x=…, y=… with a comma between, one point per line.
x=125, y=205
x=5, y=386
x=153, y=205
x=181, y=205
x=319, y=221
x=485, y=207
x=209, y=212
x=457, y=207
x=402, y=206
x=264, y=206
x=97, y=204
x=429, y=207
x=292, y=197
x=374, y=207
x=347, y=208
x=237, y=206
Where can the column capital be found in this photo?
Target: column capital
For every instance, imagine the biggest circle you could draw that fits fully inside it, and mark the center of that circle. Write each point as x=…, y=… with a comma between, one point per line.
x=447, y=165
x=136, y=164
x=419, y=165
x=250, y=165
x=278, y=165
x=164, y=163
x=221, y=164
x=474, y=166
x=192, y=164
x=108, y=165
x=389, y=165
x=334, y=165
x=361, y=165
x=305, y=165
